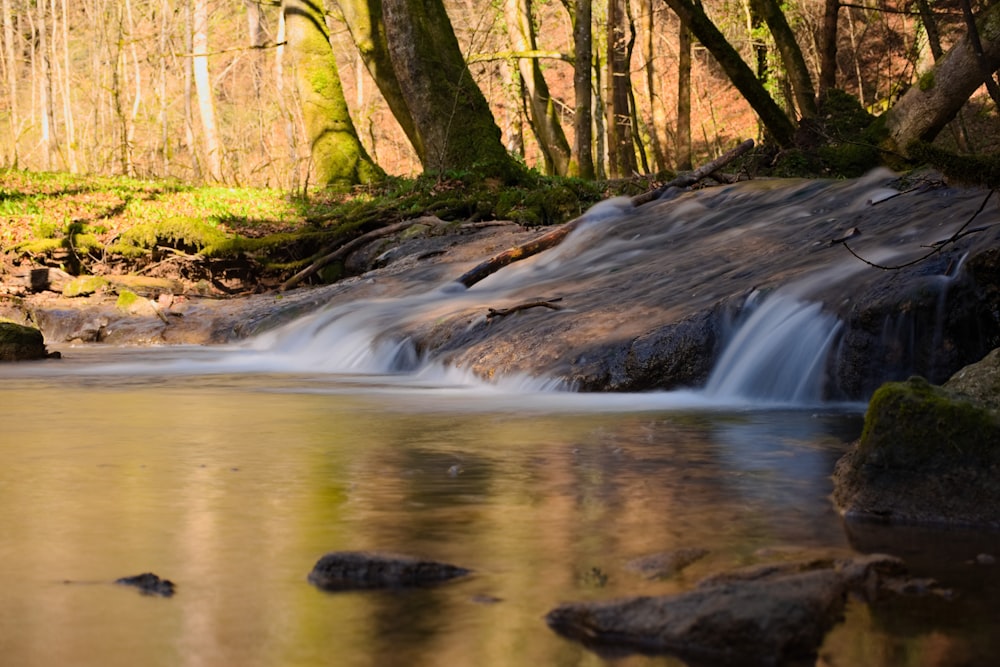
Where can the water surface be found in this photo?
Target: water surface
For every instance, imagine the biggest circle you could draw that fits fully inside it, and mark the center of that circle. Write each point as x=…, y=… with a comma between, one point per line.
x=233, y=485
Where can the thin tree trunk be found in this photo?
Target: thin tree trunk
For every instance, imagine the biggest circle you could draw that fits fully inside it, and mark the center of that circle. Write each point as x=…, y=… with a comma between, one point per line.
x=137, y=97
x=658, y=121
x=12, y=71
x=791, y=56
x=45, y=98
x=287, y=120
x=828, y=47
x=542, y=111
x=778, y=124
x=189, y=136
x=583, y=155
x=68, y=94
x=203, y=87
x=621, y=153
x=683, y=97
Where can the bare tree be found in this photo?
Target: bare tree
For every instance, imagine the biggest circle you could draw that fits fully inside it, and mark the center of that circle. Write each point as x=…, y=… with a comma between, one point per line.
x=203, y=87
x=583, y=155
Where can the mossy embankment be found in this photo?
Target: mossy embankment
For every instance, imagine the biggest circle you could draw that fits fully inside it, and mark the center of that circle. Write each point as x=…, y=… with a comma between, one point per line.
x=218, y=240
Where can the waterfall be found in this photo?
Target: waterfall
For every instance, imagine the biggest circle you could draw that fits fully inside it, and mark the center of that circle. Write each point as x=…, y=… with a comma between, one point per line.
x=778, y=355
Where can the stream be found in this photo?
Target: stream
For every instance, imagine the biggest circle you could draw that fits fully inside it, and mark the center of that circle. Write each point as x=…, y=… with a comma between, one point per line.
x=231, y=469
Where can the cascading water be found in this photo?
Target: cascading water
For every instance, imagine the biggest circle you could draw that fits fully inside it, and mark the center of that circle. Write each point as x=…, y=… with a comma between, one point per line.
x=777, y=355
x=625, y=274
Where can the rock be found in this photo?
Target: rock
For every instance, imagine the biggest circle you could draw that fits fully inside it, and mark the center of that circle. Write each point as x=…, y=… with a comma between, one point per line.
x=84, y=285
x=355, y=570
x=21, y=343
x=149, y=584
x=769, y=615
x=666, y=564
x=926, y=455
x=979, y=381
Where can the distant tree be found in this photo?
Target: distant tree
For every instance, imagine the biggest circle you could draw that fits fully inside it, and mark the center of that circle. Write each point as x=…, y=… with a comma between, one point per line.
x=338, y=158
x=621, y=153
x=203, y=88
x=583, y=153
x=779, y=126
x=791, y=55
x=542, y=110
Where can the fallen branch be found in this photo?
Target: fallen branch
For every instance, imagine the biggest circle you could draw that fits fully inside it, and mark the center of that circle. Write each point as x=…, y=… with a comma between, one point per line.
x=343, y=251
x=554, y=237
x=937, y=246
x=503, y=312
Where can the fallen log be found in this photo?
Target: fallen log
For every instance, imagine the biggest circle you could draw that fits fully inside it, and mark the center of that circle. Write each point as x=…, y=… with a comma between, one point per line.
x=554, y=237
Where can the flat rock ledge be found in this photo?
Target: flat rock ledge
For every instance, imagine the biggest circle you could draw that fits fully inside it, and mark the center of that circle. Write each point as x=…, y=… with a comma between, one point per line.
x=365, y=570
x=765, y=615
x=927, y=455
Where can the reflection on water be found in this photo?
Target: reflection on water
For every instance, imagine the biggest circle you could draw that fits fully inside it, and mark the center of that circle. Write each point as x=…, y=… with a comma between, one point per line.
x=233, y=486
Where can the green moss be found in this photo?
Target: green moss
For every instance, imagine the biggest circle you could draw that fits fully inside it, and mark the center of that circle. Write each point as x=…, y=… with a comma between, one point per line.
x=914, y=424
x=19, y=342
x=970, y=169
x=926, y=80
x=126, y=300
x=183, y=233
x=84, y=285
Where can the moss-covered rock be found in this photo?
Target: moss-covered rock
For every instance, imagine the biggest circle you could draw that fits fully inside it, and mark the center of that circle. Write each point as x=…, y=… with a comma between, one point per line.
x=926, y=455
x=20, y=343
x=84, y=285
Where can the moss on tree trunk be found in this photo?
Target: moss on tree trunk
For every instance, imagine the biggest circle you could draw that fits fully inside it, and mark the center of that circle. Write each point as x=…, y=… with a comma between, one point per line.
x=338, y=158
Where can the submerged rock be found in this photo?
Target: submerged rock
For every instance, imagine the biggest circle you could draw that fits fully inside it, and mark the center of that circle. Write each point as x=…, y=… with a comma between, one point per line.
x=761, y=616
x=665, y=564
x=149, y=584
x=926, y=455
x=21, y=343
x=355, y=570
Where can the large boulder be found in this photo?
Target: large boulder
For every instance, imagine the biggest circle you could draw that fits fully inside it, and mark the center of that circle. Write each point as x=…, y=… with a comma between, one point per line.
x=979, y=381
x=926, y=455
x=767, y=615
x=20, y=343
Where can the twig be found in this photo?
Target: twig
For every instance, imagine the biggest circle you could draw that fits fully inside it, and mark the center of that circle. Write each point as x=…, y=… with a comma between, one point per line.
x=938, y=247
x=503, y=312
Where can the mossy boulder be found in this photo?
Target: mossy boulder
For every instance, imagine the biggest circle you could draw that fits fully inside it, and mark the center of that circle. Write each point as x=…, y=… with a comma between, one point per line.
x=20, y=343
x=84, y=286
x=926, y=455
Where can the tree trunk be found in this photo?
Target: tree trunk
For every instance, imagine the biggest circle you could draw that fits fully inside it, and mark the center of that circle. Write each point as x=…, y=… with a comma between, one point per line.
x=12, y=71
x=683, y=97
x=657, y=112
x=68, y=94
x=338, y=158
x=791, y=56
x=542, y=112
x=203, y=89
x=621, y=153
x=188, y=91
x=45, y=100
x=364, y=21
x=583, y=133
x=923, y=111
x=449, y=111
x=828, y=47
x=776, y=122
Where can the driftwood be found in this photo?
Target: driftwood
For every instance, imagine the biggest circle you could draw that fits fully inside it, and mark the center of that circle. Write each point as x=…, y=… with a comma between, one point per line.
x=554, y=237
x=343, y=251
x=551, y=304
